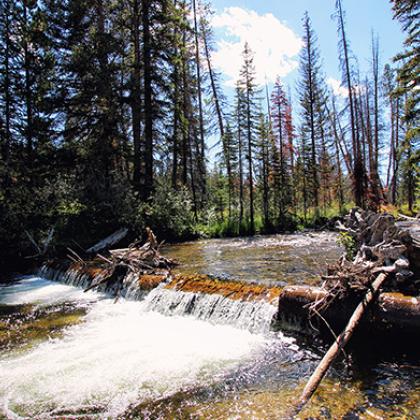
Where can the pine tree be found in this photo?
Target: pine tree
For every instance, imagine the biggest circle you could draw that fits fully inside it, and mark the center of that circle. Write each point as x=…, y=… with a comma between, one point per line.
x=281, y=131
x=264, y=170
x=239, y=118
x=311, y=90
x=248, y=86
x=7, y=76
x=408, y=13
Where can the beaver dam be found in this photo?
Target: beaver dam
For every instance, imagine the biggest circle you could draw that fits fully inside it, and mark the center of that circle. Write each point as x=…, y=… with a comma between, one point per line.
x=227, y=333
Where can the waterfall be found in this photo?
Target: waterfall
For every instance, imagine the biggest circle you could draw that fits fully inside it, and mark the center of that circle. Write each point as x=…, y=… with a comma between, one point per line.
x=71, y=276
x=79, y=277
x=254, y=316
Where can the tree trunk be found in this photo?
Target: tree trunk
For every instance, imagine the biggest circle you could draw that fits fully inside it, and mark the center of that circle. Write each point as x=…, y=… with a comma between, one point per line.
x=357, y=163
x=201, y=156
x=250, y=172
x=315, y=180
x=135, y=97
x=148, y=101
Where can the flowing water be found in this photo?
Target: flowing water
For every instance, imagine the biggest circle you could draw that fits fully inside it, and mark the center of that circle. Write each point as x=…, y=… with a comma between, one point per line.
x=274, y=260
x=172, y=355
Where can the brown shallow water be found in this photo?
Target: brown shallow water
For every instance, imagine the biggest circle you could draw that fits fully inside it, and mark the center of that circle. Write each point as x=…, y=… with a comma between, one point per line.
x=65, y=356
x=275, y=259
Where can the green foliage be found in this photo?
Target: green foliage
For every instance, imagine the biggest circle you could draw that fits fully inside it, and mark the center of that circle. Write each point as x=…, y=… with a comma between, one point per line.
x=168, y=212
x=349, y=244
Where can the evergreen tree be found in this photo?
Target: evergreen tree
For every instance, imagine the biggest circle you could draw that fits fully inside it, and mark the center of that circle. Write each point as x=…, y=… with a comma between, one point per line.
x=280, y=112
x=311, y=90
x=408, y=12
x=249, y=88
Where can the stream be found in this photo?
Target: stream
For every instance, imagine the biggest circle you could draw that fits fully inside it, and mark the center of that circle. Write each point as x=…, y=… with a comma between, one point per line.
x=66, y=354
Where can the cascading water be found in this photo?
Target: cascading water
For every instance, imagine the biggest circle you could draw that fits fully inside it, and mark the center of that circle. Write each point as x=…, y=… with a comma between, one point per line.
x=78, y=277
x=123, y=353
x=94, y=358
x=255, y=316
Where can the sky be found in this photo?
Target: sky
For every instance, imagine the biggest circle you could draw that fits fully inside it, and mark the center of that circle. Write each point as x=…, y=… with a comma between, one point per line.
x=273, y=28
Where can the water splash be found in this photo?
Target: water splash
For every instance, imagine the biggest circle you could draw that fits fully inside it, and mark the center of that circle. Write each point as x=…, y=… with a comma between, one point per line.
x=37, y=290
x=120, y=355
x=79, y=277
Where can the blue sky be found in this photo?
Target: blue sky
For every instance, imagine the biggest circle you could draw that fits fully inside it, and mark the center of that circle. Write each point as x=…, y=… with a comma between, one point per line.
x=275, y=27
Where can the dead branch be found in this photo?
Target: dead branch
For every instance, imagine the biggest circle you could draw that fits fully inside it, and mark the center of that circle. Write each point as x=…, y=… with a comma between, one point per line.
x=140, y=260
x=336, y=347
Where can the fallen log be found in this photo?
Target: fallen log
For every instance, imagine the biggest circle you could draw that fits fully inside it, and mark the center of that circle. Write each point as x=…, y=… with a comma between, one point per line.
x=336, y=347
x=108, y=241
x=391, y=313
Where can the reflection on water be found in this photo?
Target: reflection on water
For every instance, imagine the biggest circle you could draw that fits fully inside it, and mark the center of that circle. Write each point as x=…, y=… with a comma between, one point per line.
x=274, y=260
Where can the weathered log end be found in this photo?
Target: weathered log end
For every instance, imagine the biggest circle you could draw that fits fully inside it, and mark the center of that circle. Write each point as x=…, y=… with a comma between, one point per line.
x=391, y=313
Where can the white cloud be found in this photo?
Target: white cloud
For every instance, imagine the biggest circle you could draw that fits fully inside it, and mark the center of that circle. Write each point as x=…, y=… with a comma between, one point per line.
x=340, y=90
x=337, y=88
x=274, y=44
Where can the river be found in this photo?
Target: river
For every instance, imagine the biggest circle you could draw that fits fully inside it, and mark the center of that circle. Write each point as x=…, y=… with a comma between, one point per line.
x=69, y=354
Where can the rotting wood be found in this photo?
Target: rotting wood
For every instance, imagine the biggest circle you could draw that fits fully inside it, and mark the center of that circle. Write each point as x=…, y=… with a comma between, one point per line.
x=391, y=313
x=136, y=259
x=385, y=250
x=383, y=245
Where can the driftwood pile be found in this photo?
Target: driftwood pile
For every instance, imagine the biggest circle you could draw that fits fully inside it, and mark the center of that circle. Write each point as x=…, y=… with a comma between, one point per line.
x=137, y=260
x=382, y=245
x=387, y=256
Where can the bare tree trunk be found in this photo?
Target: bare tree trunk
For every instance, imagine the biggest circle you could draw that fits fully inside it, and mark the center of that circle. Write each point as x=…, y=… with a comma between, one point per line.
x=357, y=159
x=219, y=113
x=135, y=97
x=396, y=146
x=391, y=146
x=148, y=101
x=200, y=104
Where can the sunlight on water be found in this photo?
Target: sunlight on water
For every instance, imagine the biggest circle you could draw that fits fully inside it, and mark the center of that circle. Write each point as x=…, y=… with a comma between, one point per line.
x=119, y=356
x=40, y=291
x=272, y=260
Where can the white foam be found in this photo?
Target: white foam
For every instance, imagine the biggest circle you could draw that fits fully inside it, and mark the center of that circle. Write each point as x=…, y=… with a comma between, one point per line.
x=121, y=355
x=255, y=316
x=37, y=290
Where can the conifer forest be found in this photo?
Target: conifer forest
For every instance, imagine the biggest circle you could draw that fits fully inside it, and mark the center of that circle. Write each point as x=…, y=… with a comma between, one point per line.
x=113, y=114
